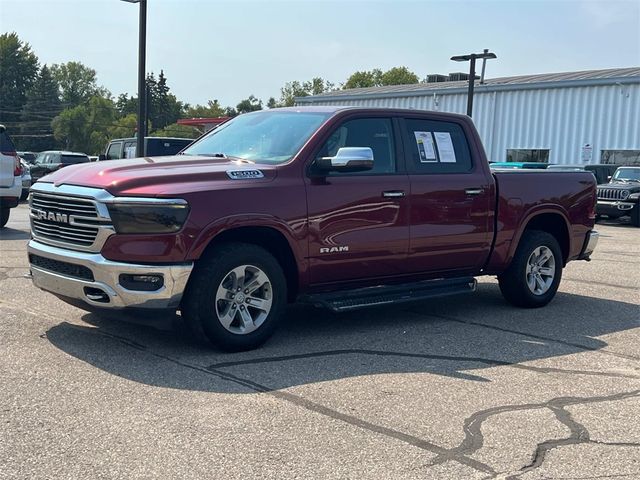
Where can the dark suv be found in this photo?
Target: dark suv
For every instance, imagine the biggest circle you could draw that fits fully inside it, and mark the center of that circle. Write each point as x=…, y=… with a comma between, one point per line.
x=50, y=161
x=621, y=196
x=153, y=147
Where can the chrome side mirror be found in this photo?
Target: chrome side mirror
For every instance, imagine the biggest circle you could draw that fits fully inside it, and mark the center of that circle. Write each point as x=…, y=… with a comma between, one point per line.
x=348, y=159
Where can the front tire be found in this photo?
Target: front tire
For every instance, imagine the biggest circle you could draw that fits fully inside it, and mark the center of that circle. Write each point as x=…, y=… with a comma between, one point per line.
x=235, y=297
x=532, y=279
x=4, y=216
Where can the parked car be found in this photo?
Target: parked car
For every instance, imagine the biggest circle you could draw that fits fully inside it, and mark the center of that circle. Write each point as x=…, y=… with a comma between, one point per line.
x=10, y=176
x=602, y=172
x=335, y=206
x=29, y=157
x=51, y=160
x=621, y=196
x=518, y=165
x=153, y=147
x=25, y=179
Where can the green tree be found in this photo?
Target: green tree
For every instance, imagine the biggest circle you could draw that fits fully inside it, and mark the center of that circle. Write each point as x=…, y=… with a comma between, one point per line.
x=18, y=70
x=86, y=128
x=398, y=76
x=124, y=127
x=364, y=79
x=212, y=109
x=126, y=104
x=272, y=103
x=250, y=104
x=78, y=83
x=378, y=78
x=163, y=107
x=291, y=90
x=41, y=105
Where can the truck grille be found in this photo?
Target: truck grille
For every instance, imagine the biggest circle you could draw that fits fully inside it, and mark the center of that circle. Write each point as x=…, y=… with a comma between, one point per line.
x=612, y=194
x=51, y=215
x=63, y=268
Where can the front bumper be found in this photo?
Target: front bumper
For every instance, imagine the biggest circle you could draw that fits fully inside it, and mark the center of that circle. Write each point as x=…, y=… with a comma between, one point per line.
x=616, y=208
x=590, y=244
x=106, y=279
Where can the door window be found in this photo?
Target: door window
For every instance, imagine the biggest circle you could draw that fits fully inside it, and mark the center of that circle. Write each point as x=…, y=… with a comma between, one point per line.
x=375, y=133
x=437, y=147
x=113, y=153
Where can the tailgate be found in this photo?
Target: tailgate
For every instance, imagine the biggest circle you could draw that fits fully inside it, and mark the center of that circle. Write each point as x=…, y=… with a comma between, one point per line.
x=7, y=167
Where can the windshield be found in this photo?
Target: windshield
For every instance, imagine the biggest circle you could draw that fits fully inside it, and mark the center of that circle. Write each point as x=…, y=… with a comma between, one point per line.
x=629, y=174
x=262, y=137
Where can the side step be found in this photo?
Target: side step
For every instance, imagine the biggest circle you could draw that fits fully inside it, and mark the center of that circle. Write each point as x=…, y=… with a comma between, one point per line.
x=385, y=294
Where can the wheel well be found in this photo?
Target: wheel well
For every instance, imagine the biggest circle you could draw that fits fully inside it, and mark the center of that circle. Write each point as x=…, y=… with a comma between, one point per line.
x=554, y=224
x=271, y=240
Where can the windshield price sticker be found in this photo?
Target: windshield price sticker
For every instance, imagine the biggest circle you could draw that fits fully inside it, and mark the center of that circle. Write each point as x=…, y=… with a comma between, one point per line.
x=427, y=152
x=445, y=147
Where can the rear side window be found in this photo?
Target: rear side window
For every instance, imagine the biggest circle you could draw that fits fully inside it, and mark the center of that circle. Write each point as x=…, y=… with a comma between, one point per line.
x=159, y=147
x=436, y=147
x=72, y=159
x=6, y=145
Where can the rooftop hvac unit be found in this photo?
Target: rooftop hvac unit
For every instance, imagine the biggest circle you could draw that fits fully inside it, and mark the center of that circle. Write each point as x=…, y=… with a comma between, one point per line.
x=436, y=77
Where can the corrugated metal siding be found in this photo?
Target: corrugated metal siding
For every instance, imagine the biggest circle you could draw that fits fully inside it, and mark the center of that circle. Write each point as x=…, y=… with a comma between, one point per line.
x=559, y=119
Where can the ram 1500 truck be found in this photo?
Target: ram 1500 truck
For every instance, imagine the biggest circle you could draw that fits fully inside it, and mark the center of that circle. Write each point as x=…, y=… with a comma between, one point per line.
x=340, y=207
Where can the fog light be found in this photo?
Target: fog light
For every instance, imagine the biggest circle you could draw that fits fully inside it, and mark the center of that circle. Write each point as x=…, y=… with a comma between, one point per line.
x=142, y=283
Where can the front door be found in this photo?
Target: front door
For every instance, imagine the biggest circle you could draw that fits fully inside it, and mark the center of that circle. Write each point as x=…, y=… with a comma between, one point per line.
x=359, y=221
x=451, y=199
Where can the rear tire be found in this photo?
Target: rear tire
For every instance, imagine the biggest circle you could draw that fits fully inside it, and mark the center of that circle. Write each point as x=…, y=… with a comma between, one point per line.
x=4, y=216
x=235, y=297
x=532, y=279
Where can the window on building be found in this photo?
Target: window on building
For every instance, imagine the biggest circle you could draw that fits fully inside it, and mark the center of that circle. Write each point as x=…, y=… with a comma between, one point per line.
x=620, y=157
x=527, y=155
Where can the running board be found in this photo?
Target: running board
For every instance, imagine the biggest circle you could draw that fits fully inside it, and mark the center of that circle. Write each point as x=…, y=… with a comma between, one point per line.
x=386, y=294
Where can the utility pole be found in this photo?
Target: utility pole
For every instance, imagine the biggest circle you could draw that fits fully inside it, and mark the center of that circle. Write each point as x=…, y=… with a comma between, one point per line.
x=142, y=102
x=471, y=58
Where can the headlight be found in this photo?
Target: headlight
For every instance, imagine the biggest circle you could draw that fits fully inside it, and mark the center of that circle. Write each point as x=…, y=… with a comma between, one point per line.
x=152, y=218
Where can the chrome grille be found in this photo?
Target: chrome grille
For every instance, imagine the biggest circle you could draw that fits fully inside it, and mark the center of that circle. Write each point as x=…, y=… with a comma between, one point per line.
x=69, y=221
x=611, y=194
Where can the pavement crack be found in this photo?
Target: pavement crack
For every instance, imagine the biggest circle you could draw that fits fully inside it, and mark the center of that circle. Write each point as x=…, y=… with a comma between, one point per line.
x=300, y=402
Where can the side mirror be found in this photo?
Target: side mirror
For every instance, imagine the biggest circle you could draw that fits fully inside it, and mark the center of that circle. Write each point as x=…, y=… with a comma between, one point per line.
x=102, y=157
x=608, y=178
x=348, y=159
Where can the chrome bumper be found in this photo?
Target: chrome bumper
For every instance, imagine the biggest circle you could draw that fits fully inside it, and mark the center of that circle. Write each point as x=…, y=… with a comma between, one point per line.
x=589, y=244
x=106, y=274
x=615, y=204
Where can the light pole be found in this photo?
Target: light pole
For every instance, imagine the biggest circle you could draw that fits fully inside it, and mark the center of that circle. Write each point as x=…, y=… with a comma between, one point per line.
x=142, y=42
x=471, y=58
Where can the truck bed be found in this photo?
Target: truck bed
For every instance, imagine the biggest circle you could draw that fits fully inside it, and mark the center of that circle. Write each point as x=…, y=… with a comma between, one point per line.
x=521, y=194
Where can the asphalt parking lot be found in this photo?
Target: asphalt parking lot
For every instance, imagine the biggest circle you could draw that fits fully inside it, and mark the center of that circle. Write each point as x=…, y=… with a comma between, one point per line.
x=459, y=388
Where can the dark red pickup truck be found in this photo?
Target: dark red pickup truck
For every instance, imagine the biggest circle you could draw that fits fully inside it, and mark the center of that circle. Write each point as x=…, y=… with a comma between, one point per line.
x=341, y=207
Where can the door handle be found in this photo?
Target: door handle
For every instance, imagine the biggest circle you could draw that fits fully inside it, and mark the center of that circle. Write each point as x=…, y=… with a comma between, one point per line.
x=474, y=191
x=393, y=194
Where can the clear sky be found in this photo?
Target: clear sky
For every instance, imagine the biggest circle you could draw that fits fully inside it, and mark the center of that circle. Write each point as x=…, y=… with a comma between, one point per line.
x=231, y=49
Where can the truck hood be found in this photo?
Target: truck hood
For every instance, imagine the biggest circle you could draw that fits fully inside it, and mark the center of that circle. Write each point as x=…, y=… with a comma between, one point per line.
x=151, y=176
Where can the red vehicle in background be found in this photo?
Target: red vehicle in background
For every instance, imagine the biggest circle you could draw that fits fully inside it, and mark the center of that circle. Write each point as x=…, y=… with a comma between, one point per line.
x=340, y=207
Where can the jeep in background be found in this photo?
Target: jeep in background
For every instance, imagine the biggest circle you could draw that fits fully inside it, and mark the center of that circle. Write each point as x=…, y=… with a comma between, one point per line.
x=153, y=147
x=621, y=196
x=339, y=207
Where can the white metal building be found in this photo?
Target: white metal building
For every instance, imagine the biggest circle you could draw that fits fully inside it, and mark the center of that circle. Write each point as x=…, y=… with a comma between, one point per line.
x=575, y=117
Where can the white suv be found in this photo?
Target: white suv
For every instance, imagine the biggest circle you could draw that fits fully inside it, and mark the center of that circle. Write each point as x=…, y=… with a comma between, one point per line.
x=10, y=176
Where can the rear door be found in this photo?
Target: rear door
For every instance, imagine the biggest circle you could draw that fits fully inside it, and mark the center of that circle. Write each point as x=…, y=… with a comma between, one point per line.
x=451, y=199
x=358, y=222
x=7, y=159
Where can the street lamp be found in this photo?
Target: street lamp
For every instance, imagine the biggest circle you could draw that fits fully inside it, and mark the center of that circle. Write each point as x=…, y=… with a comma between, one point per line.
x=142, y=41
x=472, y=72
